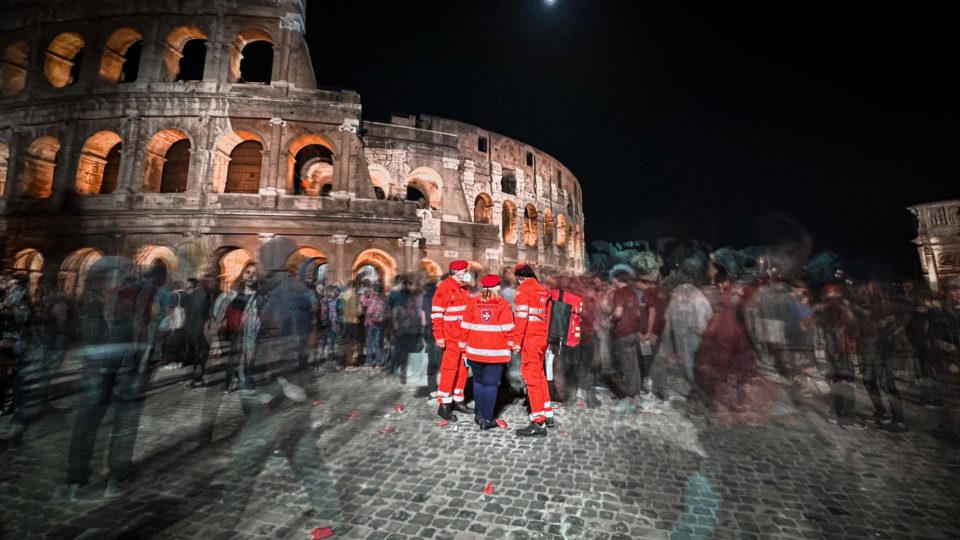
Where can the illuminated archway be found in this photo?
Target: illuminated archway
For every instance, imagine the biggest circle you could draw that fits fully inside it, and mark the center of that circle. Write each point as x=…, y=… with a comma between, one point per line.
x=29, y=261
x=63, y=59
x=483, y=209
x=147, y=256
x=251, y=58
x=530, y=226
x=41, y=162
x=166, y=162
x=238, y=162
x=231, y=263
x=509, y=222
x=121, y=56
x=431, y=268
x=310, y=165
x=547, y=227
x=384, y=263
x=381, y=180
x=4, y=165
x=561, y=230
x=72, y=277
x=185, y=54
x=99, y=164
x=13, y=67
x=308, y=262
x=428, y=182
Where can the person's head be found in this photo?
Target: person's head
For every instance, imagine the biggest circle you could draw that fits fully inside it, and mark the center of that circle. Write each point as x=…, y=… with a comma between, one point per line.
x=523, y=272
x=832, y=291
x=953, y=290
x=458, y=269
x=621, y=278
x=248, y=277
x=192, y=284
x=646, y=281
x=489, y=286
x=506, y=278
x=156, y=275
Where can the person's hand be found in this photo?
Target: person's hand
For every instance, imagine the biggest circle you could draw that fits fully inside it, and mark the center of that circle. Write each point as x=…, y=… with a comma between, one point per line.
x=441, y=343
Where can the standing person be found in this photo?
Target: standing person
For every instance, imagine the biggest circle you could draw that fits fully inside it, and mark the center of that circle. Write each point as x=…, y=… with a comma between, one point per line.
x=449, y=303
x=627, y=323
x=487, y=328
x=15, y=314
x=530, y=338
x=352, y=331
x=406, y=327
x=875, y=324
x=374, y=319
x=652, y=311
x=197, y=303
x=430, y=345
x=838, y=323
x=330, y=323
x=238, y=320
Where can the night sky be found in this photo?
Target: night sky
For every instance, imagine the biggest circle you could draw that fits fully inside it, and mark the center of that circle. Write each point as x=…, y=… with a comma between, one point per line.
x=684, y=120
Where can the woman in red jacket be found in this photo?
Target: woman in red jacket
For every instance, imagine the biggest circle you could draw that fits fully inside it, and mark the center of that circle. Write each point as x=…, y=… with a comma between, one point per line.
x=487, y=323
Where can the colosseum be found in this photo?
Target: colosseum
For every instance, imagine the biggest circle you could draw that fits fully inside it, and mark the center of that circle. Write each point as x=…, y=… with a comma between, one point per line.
x=190, y=132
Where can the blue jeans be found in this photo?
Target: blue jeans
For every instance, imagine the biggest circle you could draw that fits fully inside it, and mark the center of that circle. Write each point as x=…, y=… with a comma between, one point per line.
x=374, y=346
x=486, y=382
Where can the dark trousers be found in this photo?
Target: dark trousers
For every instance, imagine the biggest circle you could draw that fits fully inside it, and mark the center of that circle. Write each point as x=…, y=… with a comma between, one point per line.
x=625, y=378
x=578, y=364
x=486, y=381
x=403, y=344
x=197, y=353
x=842, y=378
x=878, y=377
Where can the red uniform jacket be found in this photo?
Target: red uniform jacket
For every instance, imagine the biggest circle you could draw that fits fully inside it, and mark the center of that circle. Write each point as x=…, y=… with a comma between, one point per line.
x=487, y=327
x=572, y=339
x=531, y=322
x=448, y=304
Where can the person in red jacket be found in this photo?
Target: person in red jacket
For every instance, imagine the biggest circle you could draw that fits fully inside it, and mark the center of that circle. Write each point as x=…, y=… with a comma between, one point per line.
x=487, y=329
x=449, y=302
x=530, y=337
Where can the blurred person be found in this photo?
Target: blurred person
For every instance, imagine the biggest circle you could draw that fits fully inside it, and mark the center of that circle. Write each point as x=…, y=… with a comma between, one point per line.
x=15, y=318
x=352, y=329
x=686, y=317
x=486, y=339
x=838, y=323
x=530, y=338
x=933, y=333
x=330, y=324
x=579, y=363
x=446, y=312
x=374, y=320
x=238, y=320
x=198, y=303
x=434, y=353
x=650, y=303
x=875, y=322
x=627, y=321
x=405, y=321
x=508, y=288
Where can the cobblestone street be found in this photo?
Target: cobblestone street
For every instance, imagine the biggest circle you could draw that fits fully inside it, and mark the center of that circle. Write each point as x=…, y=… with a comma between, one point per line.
x=397, y=474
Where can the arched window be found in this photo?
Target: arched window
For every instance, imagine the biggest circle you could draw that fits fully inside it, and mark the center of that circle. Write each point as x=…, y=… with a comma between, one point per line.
x=483, y=209
x=73, y=272
x=561, y=230
x=40, y=165
x=380, y=178
x=238, y=163
x=230, y=265
x=30, y=261
x=309, y=264
x=149, y=256
x=185, y=54
x=375, y=265
x=530, y=226
x=426, y=183
x=251, y=60
x=4, y=165
x=310, y=159
x=508, y=183
x=509, y=222
x=64, y=56
x=13, y=67
x=547, y=227
x=167, y=162
x=121, y=56
x=99, y=164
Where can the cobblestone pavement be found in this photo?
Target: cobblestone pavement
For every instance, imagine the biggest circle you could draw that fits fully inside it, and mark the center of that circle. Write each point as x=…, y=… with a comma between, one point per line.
x=663, y=474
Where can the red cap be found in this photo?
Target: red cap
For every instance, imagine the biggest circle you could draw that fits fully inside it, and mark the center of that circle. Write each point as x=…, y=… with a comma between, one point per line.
x=490, y=280
x=458, y=264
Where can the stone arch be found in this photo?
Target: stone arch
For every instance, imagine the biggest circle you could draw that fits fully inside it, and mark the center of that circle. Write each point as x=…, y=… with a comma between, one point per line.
x=228, y=263
x=13, y=67
x=166, y=162
x=381, y=179
x=4, y=166
x=150, y=255
x=547, y=227
x=483, y=209
x=238, y=162
x=185, y=54
x=121, y=56
x=37, y=179
x=384, y=263
x=308, y=261
x=431, y=268
x=508, y=222
x=72, y=277
x=99, y=165
x=63, y=58
x=530, y=225
x=310, y=165
x=29, y=261
x=428, y=182
x=251, y=59
x=561, y=230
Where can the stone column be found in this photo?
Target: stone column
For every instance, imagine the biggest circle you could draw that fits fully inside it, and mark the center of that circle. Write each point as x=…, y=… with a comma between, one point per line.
x=410, y=245
x=276, y=183
x=16, y=161
x=343, y=158
x=933, y=273
x=339, y=241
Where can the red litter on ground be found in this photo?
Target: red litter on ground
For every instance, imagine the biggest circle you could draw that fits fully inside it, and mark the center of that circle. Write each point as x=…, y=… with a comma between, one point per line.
x=399, y=407
x=489, y=489
x=581, y=404
x=442, y=423
x=321, y=532
x=352, y=414
x=387, y=430
x=502, y=423
x=317, y=402
x=564, y=433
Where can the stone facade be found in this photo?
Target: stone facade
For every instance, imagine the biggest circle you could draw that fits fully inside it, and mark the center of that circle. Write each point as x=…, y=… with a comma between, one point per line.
x=192, y=131
x=938, y=241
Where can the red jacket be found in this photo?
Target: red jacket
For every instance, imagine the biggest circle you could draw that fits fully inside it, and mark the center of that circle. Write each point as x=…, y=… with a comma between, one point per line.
x=448, y=304
x=531, y=322
x=487, y=327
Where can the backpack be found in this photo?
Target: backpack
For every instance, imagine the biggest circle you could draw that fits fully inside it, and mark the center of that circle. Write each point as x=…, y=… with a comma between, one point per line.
x=564, y=319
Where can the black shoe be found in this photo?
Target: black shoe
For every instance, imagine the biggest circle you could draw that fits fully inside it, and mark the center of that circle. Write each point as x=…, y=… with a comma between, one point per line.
x=460, y=406
x=446, y=412
x=551, y=422
x=533, y=430
x=487, y=424
x=896, y=427
x=476, y=419
x=593, y=402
